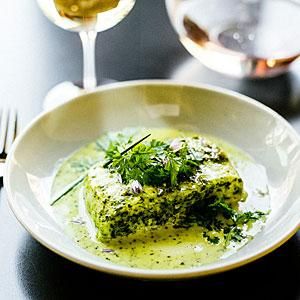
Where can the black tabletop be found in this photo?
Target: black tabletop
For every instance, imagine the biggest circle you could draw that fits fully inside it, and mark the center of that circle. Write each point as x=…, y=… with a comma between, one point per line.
x=34, y=56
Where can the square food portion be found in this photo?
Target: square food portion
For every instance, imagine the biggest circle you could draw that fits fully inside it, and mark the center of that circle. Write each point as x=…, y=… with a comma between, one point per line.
x=167, y=186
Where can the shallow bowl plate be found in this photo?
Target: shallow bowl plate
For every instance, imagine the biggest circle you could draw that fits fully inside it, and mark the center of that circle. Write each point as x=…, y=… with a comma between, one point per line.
x=232, y=117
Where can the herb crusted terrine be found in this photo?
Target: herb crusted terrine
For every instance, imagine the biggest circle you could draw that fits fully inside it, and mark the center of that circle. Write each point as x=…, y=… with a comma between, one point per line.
x=160, y=183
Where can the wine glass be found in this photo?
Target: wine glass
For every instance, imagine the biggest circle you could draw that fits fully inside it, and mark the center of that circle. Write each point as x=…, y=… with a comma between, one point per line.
x=242, y=38
x=87, y=17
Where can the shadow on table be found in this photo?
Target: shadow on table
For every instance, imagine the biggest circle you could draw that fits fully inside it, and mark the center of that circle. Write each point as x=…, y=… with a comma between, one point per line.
x=45, y=275
x=277, y=93
x=281, y=93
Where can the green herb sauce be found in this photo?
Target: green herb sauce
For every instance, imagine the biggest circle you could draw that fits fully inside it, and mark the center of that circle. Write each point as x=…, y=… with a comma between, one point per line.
x=164, y=247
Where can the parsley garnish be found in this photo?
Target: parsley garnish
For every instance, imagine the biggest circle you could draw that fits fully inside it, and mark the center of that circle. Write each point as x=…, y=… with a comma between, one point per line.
x=220, y=216
x=158, y=163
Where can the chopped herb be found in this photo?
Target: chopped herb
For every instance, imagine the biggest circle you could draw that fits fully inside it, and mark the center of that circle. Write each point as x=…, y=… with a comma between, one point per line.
x=210, y=238
x=219, y=216
x=246, y=217
x=157, y=163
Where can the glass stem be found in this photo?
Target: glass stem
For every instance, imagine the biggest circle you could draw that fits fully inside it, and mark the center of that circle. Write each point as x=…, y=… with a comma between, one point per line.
x=88, y=39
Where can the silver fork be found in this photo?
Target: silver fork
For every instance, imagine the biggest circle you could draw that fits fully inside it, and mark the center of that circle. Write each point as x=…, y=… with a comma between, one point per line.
x=8, y=133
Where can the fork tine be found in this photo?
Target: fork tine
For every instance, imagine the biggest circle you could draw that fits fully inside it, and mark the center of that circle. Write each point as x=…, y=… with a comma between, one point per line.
x=12, y=129
x=3, y=128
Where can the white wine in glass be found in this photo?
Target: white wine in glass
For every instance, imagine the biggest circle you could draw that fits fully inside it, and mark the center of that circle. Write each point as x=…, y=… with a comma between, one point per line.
x=242, y=38
x=87, y=17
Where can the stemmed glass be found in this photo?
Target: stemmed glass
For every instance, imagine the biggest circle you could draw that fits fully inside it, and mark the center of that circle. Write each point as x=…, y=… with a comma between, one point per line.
x=242, y=38
x=87, y=17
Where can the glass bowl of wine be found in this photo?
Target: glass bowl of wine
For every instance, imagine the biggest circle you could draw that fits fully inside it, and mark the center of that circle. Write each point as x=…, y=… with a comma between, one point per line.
x=242, y=38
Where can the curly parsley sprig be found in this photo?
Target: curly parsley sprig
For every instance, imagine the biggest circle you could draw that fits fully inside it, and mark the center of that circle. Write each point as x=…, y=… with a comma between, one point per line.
x=155, y=163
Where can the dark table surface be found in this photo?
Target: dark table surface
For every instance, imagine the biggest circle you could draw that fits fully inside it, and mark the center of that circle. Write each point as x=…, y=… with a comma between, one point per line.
x=34, y=56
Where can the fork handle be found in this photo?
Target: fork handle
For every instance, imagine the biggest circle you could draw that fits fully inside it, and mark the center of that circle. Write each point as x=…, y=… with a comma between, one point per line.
x=2, y=165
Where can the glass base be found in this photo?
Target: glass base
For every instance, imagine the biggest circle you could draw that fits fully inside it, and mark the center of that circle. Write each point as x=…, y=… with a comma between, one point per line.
x=64, y=92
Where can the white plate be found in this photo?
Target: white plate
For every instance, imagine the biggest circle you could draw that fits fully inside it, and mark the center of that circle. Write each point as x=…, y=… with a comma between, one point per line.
x=235, y=118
